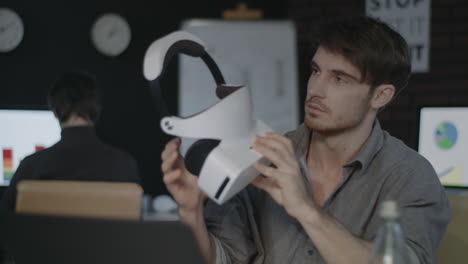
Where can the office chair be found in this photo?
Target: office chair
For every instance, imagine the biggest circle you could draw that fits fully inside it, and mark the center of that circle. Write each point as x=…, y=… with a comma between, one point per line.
x=454, y=244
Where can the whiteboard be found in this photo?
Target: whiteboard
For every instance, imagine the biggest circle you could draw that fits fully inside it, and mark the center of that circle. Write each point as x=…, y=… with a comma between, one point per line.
x=259, y=54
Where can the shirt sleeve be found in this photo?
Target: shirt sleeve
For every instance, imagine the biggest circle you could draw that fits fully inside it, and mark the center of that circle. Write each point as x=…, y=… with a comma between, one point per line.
x=221, y=257
x=413, y=258
x=425, y=209
x=233, y=227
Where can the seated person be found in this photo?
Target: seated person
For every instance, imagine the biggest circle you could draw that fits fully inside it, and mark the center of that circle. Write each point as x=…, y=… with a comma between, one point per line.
x=79, y=155
x=325, y=211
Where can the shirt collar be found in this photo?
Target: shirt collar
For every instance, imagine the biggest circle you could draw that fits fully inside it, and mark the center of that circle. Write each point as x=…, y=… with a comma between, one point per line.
x=78, y=132
x=300, y=137
x=370, y=148
x=364, y=157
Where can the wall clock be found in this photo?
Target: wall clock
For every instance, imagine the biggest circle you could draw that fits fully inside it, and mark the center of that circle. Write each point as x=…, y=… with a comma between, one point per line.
x=11, y=30
x=111, y=34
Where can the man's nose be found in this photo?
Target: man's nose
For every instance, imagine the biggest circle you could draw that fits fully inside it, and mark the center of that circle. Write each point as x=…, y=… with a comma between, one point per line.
x=316, y=86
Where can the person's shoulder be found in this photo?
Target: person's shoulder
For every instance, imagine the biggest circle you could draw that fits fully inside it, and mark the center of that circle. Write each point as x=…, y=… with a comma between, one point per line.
x=39, y=156
x=124, y=165
x=30, y=165
x=401, y=152
x=118, y=153
x=395, y=156
x=407, y=174
x=118, y=157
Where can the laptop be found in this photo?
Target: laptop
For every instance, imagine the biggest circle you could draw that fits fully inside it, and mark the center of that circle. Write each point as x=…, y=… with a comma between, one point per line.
x=443, y=140
x=55, y=239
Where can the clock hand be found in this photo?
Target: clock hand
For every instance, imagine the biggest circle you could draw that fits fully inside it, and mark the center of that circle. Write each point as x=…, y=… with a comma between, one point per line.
x=4, y=27
x=112, y=33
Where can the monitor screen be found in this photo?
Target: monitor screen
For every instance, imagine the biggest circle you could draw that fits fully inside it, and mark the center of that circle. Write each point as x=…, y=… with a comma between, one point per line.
x=22, y=133
x=443, y=140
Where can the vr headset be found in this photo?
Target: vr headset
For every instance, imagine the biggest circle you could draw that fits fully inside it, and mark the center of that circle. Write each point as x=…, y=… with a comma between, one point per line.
x=222, y=158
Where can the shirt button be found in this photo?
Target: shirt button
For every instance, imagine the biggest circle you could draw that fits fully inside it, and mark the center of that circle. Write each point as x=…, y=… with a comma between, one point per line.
x=310, y=252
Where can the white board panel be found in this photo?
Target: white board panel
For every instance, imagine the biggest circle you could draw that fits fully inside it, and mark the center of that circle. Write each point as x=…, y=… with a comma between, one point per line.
x=260, y=54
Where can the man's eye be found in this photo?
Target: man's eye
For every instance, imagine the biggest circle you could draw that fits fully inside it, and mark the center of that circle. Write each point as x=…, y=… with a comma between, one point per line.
x=339, y=79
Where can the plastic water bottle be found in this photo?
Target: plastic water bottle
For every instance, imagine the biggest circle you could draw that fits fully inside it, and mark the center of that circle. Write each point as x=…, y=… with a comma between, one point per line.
x=389, y=244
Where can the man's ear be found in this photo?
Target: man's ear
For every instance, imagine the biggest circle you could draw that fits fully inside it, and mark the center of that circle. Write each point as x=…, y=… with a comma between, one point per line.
x=382, y=95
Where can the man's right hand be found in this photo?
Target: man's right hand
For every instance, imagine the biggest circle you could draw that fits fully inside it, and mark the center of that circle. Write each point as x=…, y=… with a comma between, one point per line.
x=184, y=189
x=179, y=181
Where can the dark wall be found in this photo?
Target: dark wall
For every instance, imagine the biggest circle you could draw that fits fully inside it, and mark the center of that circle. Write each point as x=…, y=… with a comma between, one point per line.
x=446, y=84
x=57, y=39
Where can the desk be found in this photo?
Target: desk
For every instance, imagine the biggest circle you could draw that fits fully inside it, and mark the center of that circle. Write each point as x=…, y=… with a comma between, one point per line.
x=47, y=239
x=160, y=216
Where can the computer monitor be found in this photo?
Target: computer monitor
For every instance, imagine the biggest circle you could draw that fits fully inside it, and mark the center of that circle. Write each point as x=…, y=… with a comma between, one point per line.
x=22, y=133
x=443, y=140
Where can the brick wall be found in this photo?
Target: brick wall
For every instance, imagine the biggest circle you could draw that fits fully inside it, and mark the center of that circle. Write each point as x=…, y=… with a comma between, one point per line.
x=446, y=84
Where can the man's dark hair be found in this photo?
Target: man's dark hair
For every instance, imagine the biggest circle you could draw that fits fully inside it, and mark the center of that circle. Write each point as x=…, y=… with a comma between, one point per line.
x=74, y=92
x=379, y=52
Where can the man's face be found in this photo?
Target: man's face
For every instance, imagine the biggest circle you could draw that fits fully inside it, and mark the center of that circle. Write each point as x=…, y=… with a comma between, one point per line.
x=336, y=100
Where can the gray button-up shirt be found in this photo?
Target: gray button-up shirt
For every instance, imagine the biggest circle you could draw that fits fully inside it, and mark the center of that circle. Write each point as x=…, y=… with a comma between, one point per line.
x=253, y=228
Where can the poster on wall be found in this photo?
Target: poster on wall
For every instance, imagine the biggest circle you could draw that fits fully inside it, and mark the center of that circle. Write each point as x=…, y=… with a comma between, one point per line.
x=259, y=54
x=412, y=19
x=443, y=140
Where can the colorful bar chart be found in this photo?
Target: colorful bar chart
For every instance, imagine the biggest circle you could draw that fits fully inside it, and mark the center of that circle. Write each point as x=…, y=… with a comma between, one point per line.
x=39, y=148
x=23, y=133
x=7, y=164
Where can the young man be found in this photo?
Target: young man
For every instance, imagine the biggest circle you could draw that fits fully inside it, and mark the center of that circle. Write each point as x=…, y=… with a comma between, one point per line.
x=327, y=210
x=79, y=155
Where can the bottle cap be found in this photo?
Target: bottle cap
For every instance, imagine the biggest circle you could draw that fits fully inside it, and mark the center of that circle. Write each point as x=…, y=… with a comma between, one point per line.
x=389, y=210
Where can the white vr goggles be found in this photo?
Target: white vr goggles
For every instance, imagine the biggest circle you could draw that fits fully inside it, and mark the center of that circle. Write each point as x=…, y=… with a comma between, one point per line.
x=223, y=158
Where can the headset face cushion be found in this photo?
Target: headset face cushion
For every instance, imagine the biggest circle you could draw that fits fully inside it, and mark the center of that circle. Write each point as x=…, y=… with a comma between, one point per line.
x=197, y=154
x=224, y=90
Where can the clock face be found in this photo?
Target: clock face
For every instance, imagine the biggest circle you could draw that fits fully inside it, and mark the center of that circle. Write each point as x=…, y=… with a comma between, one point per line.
x=111, y=34
x=11, y=30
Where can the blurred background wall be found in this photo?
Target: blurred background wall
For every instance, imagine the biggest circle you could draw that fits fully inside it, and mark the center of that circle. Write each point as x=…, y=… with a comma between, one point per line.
x=57, y=39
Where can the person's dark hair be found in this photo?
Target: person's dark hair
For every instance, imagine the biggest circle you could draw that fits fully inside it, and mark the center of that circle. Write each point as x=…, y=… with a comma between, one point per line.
x=379, y=52
x=74, y=92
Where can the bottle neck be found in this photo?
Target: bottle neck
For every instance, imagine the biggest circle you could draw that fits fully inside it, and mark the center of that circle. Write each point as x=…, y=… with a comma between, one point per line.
x=392, y=220
x=392, y=224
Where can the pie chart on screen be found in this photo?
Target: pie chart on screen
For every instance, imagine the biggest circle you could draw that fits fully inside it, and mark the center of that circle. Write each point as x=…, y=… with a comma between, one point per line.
x=446, y=135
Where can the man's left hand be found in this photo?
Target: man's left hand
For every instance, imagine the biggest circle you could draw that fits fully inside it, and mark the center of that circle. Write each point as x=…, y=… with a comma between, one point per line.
x=284, y=182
